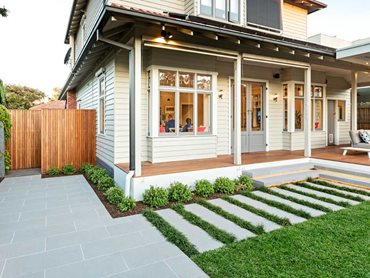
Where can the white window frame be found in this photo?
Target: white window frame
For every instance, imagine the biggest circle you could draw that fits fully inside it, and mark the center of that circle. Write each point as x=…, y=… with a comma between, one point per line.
x=155, y=90
x=83, y=30
x=227, y=19
x=345, y=110
x=313, y=106
x=101, y=96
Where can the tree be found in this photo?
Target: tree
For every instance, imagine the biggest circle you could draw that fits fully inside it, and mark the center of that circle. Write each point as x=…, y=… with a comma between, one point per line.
x=2, y=93
x=56, y=93
x=22, y=97
x=4, y=12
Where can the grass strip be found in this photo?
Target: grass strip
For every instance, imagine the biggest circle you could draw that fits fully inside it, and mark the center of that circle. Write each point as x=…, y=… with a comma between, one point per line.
x=327, y=200
x=295, y=200
x=333, y=245
x=170, y=233
x=331, y=192
x=258, y=230
x=278, y=205
x=343, y=188
x=279, y=220
x=211, y=229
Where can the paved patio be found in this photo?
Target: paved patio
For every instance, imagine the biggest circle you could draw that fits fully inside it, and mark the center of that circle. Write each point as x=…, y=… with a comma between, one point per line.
x=58, y=228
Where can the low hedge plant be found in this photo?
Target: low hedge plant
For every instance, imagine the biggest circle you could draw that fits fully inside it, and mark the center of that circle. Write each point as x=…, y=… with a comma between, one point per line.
x=156, y=197
x=126, y=204
x=104, y=183
x=204, y=188
x=224, y=185
x=68, y=169
x=86, y=167
x=97, y=174
x=244, y=183
x=114, y=195
x=54, y=171
x=179, y=192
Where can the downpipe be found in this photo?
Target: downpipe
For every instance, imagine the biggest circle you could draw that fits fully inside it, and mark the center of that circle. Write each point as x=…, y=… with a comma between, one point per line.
x=129, y=176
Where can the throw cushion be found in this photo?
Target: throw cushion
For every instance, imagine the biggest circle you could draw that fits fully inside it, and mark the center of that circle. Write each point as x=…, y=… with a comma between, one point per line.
x=365, y=136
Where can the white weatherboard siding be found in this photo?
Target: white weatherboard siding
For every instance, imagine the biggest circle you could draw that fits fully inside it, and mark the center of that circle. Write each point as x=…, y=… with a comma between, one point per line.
x=87, y=95
x=294, y=22
x=177, y=6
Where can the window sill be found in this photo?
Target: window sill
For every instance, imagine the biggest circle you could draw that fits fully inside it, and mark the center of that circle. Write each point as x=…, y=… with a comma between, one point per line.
x=182, y=136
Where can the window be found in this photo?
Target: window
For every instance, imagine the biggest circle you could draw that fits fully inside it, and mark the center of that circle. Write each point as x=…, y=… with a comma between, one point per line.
x=317, y=108
x=185, y=103
x=265, y=14
x=341, y=110
x=102, y=105
x=223, y=9
x=285, y=100
x=299, y=106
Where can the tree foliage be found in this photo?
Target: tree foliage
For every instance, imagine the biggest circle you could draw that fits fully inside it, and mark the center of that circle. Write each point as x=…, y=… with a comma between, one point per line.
x=22, y=97
x=5, y=119
x=4, y=12
x=56, y=93
x=2, y=93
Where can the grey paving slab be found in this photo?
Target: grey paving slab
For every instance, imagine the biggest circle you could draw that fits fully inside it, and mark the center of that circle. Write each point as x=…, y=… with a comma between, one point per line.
x=367, y=198
x=308, y=199
x=94, y=268
x=6, y=237
x=27, y=224
x=41, y=213
x=294, y=219
x=362, y=181
x=246, y=215
x=219, y=221
x=123, y=228
x=9, y=217
x=26, y=265
x=8, y=251
x=311, y=211
x=325, y=195
x=184, y=267
x=160, y=269
x=202, y=240
x=149, y=254
x=346, y=185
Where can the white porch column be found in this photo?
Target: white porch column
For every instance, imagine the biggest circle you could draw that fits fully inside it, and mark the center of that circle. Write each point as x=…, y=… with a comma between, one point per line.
x=138, y=93
x=354, y=101
x=237, y=110
x=307, y=112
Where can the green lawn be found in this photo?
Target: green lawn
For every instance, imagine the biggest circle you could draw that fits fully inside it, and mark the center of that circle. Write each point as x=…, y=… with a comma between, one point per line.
x=334, y=245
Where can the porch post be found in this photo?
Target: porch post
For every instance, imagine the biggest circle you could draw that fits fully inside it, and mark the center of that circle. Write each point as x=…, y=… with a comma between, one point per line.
x=307, y=112
x=237, y=110
x=354, y=101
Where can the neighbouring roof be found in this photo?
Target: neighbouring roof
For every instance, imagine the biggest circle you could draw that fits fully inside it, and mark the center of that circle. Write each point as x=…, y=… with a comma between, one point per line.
x=57, y=104
x=310, y=5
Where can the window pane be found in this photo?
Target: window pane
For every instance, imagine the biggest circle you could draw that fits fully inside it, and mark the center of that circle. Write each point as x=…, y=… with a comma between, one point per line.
x=265, y=13
x=285, y=90
x=204, y=113
x=234, y=11
x=244, y=108
x=318, y=92
x=220, y=9
x=299, y=90
x=167, y=78
x=186, y=112
x=256, y=118
x=285, y=114
x=167, y=112
x=101, y=87
x=102, y=115
x=204, y=82
x=341, y=110
x=299, y=112
x=206, y=7
x=186, y=79
x=318, y=119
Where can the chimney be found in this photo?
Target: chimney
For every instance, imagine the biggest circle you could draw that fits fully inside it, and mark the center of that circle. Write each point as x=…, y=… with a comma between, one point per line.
x=71, y=100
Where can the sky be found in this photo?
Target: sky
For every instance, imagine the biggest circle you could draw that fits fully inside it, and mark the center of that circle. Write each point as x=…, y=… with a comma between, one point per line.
x=32, y=48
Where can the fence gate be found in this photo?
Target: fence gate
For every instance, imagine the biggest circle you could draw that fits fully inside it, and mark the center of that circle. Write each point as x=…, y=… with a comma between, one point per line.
x=52, y=138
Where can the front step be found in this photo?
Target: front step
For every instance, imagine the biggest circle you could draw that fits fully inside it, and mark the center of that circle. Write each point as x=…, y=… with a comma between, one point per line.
x=346, y=178
x=285, y=178
x=342, y=170
x=276, y=170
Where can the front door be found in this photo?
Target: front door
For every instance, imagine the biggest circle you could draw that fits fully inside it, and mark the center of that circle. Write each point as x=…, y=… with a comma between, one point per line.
x=253, y=117
x=331, y=122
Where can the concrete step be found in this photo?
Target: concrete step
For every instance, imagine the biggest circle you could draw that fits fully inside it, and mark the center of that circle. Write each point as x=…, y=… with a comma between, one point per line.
x=282, y=178
x=346, y=185
x=341, y=170
x=367, y=198
x=202, y=240
x=324, y=195
x=346, y=178
x=276, y=170
x=246, y=215
x=294, y=219
x=219, y=221
x=311, y=211
x=308, y=199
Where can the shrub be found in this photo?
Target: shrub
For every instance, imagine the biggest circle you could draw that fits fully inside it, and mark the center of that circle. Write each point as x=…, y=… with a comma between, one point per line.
x=179, y=192
x=224, y=185
x=244, y=183
x=6, y=120
x=69, y=169
x=105, y=183
x=204, y=188
x=53, y=171
x=97, y=173
x=85, y=167
x=7, y=162
x=155, y=197
x=126, y=204
x=90, y=171
x=114, y=195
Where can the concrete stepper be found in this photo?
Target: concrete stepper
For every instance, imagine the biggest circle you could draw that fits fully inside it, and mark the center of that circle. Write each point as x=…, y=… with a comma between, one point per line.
x=202, y=240
x=325, y=195
x=219, y=221
x=294, y=219
x=276, y=170
x=345, y=185
x=341, y=170
x=308, y=199
x=246, y=215
x=311, y=211
x=367, y=198
x=362, y=181
x=285, y=177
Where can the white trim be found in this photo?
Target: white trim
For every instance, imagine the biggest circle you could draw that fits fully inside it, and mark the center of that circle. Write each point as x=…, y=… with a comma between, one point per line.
x=307, y=113
x=101, y=78
x=138, y=109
